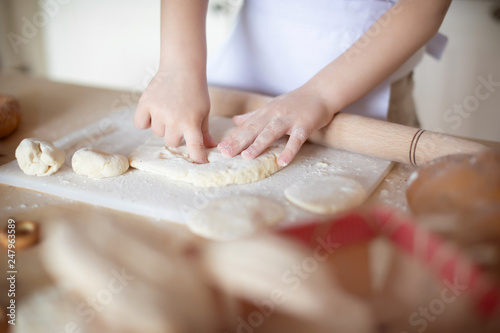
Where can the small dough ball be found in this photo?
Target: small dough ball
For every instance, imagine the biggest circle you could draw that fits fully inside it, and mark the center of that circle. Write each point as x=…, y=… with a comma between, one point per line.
x=10, y=115
x=97, y=164
x=39, y=158
x=235, y=217
x=326, y=195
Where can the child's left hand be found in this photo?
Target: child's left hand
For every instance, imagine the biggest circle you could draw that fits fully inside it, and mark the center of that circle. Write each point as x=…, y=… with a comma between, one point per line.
x=298, y=113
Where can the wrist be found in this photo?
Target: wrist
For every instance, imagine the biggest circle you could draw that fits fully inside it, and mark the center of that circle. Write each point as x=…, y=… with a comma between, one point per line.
x=185, y=65
x=325, y=95
x=183, y=72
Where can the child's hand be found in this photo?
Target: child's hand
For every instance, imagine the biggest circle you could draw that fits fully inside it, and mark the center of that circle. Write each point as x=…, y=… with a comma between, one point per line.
x=176, y=106
x=298, y=113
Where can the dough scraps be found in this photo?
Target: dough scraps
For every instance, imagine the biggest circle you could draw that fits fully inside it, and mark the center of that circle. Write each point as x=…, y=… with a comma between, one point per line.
x=175, y=163
x=326, y=195
x=235, y=217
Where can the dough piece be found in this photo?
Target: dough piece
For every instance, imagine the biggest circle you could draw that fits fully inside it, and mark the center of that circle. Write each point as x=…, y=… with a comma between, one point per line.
x=175, y=163
x=10, y=115
x=97, y=164
x=235, y=217
x=39, y=158
x=326, y=195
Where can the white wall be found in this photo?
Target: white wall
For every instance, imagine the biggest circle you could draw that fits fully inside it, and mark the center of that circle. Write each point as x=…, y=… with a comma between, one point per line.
x=21, y=42
x=111, y=43
x=446, y=90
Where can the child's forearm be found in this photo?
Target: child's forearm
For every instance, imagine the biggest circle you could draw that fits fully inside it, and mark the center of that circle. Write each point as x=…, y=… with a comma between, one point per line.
x=176, y=103
x=394, y=38
x=183, y=41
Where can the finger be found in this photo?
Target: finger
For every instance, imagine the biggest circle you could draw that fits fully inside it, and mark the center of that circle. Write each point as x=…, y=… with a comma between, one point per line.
x=240, y=119
x=158, y=128
x=275, y=130
x=243, y=138
x=172, y=139
x=228, y=139
x=208, y=141
x=142, y=118
x=196, y=149
x=296, y=140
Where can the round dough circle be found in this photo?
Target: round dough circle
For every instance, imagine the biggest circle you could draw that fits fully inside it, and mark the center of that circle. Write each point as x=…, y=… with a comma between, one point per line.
x=326, y=195
x=39, y=158
x=175, y=163
x=97, y=164
x=235, y=217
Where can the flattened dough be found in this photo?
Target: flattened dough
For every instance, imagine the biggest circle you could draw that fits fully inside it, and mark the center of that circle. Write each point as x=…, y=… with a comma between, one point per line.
x=175, y=163
x=326, y=195
x=235, y=217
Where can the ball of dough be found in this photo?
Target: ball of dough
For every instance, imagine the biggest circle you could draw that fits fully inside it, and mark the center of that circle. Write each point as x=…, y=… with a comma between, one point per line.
x=10, y=115
x=326, y=195
x=39, y=158
x=97, y=164
x=235, y=217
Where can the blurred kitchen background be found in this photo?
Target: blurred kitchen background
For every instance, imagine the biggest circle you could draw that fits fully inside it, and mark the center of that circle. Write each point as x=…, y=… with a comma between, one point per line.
x=115, y=44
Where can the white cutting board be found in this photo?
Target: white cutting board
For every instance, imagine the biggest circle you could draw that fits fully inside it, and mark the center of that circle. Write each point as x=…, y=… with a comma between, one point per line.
x=155, y=196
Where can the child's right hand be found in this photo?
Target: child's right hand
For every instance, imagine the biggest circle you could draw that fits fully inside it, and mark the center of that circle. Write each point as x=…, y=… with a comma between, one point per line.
x=176, y=106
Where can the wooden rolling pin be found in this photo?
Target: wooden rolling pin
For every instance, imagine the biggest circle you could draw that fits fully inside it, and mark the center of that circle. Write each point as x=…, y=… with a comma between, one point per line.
x=359, y=134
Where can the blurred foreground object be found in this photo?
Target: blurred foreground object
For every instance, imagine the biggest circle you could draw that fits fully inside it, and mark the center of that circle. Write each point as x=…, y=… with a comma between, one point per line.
x=459, y=197
x=26, y=233
x=112, y=276
x=456, y=184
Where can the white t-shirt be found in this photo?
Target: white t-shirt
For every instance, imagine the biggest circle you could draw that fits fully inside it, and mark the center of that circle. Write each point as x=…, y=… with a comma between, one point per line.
x=278, y=45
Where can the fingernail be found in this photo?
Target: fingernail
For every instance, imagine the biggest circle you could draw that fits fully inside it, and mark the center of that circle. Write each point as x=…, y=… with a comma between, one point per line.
x=202, y=161
x=282, y=163
x=246, y=155
x=226, y=152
